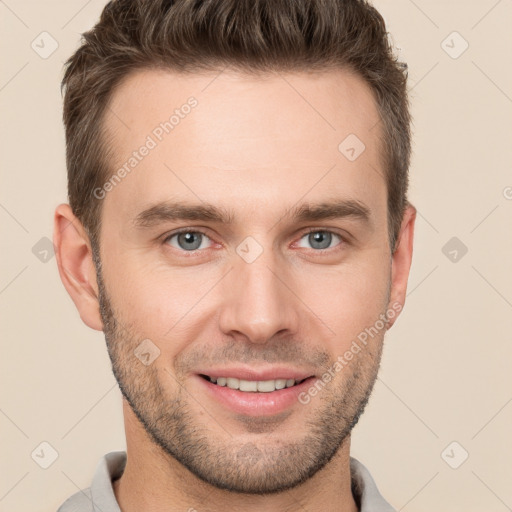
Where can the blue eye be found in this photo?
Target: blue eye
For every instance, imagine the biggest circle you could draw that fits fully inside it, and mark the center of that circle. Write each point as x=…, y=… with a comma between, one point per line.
x=188, y=240
x=320, y=239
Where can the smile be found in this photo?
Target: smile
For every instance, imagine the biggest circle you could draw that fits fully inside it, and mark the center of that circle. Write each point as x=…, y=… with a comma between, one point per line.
x=253, y=386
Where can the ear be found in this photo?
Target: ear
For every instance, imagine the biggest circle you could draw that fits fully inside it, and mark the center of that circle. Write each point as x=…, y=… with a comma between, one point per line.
x=401, y=263
x=76, y=268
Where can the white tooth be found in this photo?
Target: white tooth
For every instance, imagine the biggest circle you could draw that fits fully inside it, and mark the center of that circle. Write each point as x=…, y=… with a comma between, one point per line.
x=262, y=386
x=265, y=386
x=280, y=383
x=213, y=379
x=232, y=382
x=248, y=385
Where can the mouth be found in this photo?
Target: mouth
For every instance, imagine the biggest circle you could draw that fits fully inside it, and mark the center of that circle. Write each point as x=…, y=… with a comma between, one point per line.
x=251, y=393
x=254, y=386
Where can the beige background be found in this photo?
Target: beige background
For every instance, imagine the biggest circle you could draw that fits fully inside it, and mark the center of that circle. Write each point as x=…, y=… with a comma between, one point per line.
x=445, y=373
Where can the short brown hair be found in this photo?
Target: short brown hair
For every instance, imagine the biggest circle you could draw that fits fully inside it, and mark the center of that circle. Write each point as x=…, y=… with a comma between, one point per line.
x=251, y=35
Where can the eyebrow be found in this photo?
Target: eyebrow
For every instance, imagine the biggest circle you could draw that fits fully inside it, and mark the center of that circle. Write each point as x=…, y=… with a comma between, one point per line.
x=166, y=211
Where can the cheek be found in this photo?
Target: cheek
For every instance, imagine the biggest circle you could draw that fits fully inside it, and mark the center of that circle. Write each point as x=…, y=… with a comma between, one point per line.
x=347, y=299
x=161, y=306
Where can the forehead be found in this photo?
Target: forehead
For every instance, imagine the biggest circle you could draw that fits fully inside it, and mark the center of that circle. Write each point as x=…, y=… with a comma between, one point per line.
x=238, y=137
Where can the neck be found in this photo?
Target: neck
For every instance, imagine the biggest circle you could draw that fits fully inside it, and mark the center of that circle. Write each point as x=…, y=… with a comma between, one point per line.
x=152, y=480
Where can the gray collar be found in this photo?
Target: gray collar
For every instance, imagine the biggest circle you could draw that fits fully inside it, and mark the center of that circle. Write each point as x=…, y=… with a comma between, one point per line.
x=100, y=496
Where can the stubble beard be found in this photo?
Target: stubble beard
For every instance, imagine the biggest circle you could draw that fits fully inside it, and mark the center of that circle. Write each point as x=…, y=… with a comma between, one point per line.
x=165, y=410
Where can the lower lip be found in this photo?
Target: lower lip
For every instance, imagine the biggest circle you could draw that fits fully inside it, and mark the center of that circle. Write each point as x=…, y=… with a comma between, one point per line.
x=256, y=403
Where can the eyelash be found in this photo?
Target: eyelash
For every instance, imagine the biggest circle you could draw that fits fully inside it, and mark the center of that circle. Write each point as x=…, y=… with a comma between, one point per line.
x=343, y=239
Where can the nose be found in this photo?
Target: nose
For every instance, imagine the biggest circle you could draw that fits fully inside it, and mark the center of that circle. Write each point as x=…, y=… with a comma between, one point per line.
x=258, y=302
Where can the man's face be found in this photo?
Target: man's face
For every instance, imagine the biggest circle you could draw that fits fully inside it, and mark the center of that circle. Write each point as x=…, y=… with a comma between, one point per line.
x=279, y=292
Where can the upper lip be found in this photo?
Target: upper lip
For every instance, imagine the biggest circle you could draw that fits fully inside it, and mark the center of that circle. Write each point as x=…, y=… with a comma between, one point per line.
x=246, y=373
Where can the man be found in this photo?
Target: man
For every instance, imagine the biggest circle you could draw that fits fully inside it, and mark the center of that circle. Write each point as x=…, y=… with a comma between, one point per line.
x=272, y=139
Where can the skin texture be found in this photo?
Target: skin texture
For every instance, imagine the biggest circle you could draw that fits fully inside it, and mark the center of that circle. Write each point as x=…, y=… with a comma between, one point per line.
x=256, y=147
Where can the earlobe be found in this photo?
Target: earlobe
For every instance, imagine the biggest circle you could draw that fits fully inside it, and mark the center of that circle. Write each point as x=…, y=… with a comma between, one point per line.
x=76, y=268
x=401, y=262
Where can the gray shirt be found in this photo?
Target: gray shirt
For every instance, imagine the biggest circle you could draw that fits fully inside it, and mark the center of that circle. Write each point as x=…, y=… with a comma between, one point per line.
x=100, y=496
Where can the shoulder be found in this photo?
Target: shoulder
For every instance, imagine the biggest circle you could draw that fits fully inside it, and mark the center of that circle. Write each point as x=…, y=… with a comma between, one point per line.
x=100, y=495
x=365, y=489
x=79, y=502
